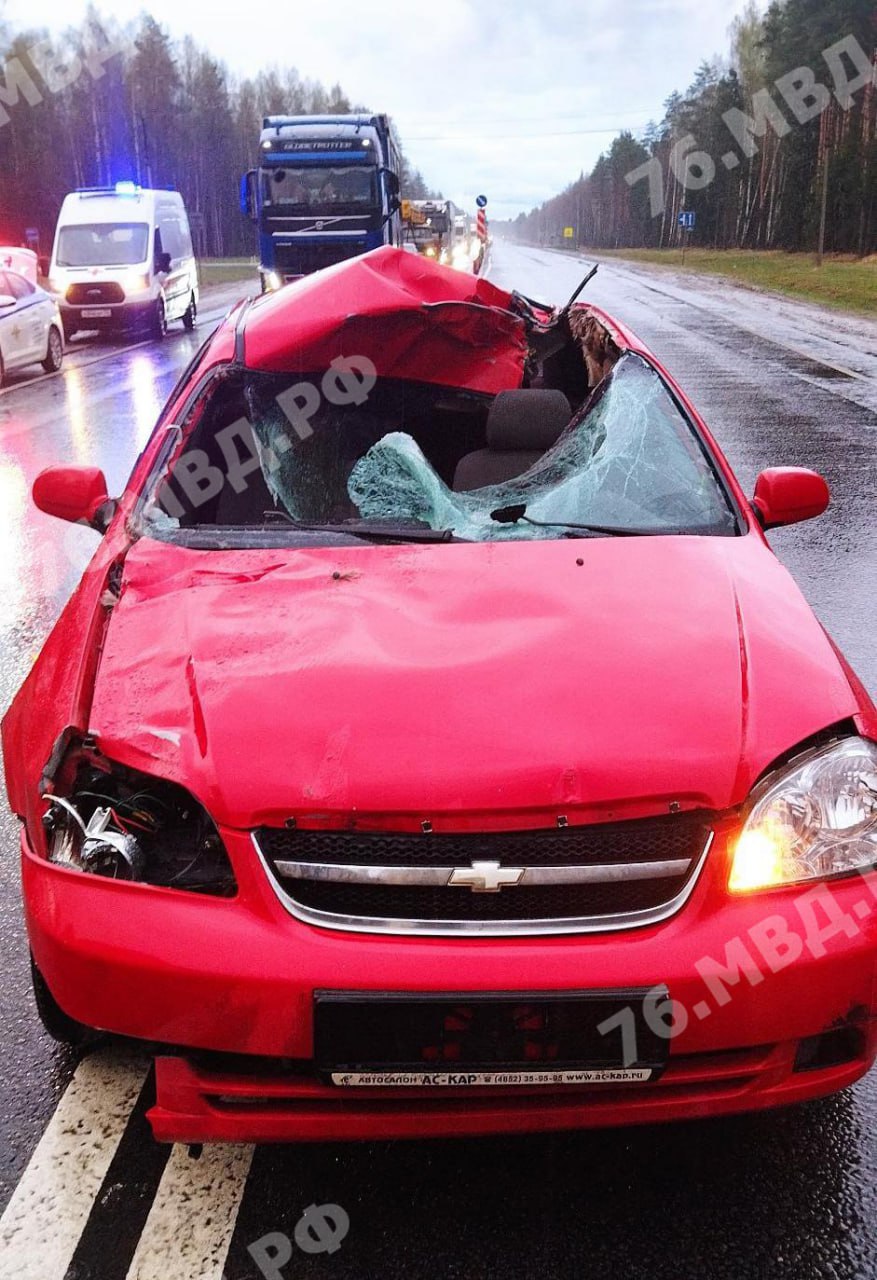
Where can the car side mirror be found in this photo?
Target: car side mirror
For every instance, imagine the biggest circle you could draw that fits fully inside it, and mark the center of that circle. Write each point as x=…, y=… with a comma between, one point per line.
x=6, y=301
x=788, y=495
x=77, y=494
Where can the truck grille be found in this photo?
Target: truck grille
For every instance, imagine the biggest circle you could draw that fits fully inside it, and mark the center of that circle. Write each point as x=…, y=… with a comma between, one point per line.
x=303, y=259
x=96, y=294
x=576, y=879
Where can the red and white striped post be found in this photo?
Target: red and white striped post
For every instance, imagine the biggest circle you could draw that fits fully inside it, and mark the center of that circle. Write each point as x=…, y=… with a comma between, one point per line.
x=481, y=231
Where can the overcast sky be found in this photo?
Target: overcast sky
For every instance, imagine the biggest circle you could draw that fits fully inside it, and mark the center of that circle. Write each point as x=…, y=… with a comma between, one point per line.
x=500, y=96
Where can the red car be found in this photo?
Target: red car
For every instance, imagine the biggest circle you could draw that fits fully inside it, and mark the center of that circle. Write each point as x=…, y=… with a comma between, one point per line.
x=434, y=744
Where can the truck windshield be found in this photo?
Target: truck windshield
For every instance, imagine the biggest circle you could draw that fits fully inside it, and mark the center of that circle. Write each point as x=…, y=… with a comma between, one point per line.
x=103, y=244
x=309, y=188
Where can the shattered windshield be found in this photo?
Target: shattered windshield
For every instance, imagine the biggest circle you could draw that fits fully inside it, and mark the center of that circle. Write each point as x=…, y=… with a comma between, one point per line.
x=629, y=462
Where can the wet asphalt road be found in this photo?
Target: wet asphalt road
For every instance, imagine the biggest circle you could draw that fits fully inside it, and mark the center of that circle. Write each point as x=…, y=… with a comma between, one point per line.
x=792, y=1194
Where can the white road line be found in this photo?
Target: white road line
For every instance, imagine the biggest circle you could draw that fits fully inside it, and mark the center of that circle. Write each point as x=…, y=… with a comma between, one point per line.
x=755, y=333
x=714, y=306
x=49, y=1208
x=189, y=1228
x=70, y=365
x=205, y=320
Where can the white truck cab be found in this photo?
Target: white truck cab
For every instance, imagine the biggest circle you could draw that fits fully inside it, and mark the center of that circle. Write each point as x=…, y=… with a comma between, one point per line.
x=123, y=258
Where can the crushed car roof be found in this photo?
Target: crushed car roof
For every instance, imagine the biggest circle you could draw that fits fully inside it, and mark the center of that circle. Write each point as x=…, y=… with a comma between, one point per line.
x=411, y=318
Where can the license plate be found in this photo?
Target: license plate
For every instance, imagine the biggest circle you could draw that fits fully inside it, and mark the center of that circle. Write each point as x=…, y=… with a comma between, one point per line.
x=496, y=1040
x=95, y=313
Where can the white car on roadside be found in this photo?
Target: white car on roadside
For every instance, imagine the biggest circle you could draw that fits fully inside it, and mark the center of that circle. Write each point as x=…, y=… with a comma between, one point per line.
x=31, y=331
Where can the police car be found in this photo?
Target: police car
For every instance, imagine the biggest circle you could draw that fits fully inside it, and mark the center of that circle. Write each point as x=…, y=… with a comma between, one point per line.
x=30, y=326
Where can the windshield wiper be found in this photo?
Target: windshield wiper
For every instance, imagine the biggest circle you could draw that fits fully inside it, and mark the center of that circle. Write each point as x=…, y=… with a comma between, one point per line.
x=512, y=515
x=381, y=532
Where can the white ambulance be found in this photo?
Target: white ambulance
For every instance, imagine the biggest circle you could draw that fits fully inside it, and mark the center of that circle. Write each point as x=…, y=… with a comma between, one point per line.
x=123, y=259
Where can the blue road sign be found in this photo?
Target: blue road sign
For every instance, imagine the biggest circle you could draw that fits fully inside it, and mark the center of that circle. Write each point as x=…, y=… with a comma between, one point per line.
x=481, y=201
x=687, y=221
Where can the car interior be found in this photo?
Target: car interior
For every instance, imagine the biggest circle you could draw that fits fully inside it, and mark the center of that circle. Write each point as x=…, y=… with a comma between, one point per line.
x=471, y=440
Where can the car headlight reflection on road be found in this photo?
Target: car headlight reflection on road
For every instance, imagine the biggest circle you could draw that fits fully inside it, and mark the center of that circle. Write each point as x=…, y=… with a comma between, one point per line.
x=815, y=820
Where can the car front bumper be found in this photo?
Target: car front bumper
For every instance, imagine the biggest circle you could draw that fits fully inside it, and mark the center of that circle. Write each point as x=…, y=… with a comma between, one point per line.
x=122, y=316
x=226, y=986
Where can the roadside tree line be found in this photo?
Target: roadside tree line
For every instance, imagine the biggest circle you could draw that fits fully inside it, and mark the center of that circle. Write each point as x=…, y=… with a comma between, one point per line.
x=105, y=103
x=773, y=148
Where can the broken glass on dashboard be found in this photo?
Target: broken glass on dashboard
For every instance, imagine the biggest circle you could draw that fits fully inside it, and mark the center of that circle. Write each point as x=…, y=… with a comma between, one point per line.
x=629, y=462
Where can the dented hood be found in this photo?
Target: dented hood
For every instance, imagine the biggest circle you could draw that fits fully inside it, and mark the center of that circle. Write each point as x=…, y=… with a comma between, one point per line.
x=410, y=317
x=463, y=679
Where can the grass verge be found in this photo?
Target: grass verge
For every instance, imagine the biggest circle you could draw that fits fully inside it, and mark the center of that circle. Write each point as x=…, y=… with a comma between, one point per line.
x=213, y=271
x=846, y=283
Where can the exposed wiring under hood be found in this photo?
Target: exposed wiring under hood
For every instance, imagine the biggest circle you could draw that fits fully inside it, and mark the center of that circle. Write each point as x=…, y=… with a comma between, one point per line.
x=119, y=823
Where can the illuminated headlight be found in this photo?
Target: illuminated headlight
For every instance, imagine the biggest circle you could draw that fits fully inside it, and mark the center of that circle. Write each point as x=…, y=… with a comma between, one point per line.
x=815, y=819
x=430, y=253
x=273, y=281
x=135, y=282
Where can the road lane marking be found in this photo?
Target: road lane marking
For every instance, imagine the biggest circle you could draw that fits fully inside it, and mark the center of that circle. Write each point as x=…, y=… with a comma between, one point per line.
x=713, y=306
x=50, y=1206
x=192, y=1220
x=119, y=1214
x=765, y=341
x=70, y=366
x=204, y=320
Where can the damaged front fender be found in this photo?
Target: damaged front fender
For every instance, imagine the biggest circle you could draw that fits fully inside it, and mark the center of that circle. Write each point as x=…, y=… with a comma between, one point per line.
x=52, y=707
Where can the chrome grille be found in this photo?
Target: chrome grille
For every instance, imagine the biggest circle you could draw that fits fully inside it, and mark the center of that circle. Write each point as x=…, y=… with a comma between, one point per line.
x=576, y=879
x=306, y=257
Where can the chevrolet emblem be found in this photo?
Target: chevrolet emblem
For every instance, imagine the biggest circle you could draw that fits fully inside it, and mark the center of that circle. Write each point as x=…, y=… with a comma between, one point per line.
x=486, y=877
